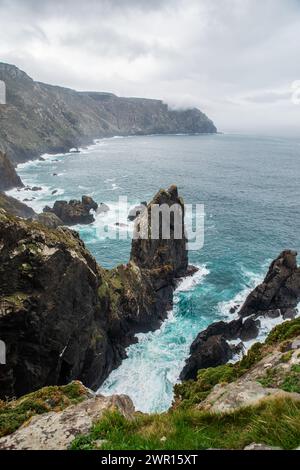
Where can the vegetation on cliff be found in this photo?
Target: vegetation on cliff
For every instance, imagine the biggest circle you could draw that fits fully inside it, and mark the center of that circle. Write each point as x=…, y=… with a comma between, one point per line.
x=40, y=118
x=273, y=420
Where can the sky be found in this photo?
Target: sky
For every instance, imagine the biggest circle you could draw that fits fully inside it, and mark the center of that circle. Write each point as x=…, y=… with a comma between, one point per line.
x=236, y=60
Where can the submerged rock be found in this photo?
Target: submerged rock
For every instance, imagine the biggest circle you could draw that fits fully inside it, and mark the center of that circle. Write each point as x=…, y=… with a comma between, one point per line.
x=74, y=212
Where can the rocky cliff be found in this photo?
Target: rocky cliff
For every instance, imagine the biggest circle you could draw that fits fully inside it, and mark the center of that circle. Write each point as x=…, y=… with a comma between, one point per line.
x=277, y=296
x=40, y=118
x=63, y=317
x=8, y=176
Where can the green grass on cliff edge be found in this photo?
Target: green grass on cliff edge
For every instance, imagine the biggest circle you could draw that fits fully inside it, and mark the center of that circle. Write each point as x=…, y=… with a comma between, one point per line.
x=14, y=413
x=275, y=422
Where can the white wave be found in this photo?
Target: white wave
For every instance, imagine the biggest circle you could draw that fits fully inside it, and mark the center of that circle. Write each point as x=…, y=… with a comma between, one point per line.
x=152, y=367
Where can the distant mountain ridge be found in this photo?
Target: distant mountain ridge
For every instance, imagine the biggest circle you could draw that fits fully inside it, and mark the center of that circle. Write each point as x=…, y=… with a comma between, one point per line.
x=40, y=118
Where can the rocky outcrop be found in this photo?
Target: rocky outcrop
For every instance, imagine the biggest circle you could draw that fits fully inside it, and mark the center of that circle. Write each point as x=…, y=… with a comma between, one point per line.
x=213, y=352
x=62, y=316
x=280, y=290
x=57, y=429
x=50, y=220
x=274, y=376
x=8, y=176
x=40, y=118
x=152, y=251
x=74, y=212
x=15, y=207
x=278, y=295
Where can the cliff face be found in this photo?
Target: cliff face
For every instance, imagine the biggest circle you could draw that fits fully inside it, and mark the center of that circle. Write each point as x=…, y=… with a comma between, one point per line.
x=40, y=118
x=63, y=317
x=8, y=176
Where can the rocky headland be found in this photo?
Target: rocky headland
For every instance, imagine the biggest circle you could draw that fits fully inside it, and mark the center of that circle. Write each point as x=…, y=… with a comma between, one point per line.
x=40, y=118
x=62, y=316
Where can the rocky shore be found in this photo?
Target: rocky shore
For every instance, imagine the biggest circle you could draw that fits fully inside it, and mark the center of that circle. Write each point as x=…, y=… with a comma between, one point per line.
x=277, y=296
x=62, y=316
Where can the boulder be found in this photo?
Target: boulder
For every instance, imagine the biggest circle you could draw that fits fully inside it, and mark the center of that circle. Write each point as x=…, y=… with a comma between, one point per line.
x=56, y=430
x=74, y=212
x=212, y=352
x=250, y=329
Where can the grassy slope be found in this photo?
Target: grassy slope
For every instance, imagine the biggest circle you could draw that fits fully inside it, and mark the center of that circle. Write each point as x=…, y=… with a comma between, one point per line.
x=275, y=422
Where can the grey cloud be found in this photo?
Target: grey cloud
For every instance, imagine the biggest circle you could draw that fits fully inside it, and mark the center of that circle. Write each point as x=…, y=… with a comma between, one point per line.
x=214, y=54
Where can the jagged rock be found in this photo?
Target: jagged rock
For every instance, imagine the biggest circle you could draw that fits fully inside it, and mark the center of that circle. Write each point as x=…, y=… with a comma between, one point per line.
x=15, y=207
x=50, y=220
x=56, y=430
x=250, y=329
x=151, y=253
x=209, y=353
x=74, y=212
x=280, y=288
x=8, y=176
x=62, y=316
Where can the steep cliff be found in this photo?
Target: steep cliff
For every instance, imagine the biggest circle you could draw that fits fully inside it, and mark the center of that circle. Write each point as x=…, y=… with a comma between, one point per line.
x=8, y=176
x=63, y=317
x=40, y=118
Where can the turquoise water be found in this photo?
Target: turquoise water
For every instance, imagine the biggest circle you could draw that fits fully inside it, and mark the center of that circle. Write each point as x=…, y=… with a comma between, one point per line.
x=250, y=189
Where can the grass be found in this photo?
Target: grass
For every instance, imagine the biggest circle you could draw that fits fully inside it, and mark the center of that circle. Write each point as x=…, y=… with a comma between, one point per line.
x=284, y=331
x=194, y=391
x=273, y=422
x=14, y=413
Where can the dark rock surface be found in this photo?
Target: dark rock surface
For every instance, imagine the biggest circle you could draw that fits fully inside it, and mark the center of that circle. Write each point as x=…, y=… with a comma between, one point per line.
x=40, y=118
x=212, y=352
x=153, y=253
x=280, y=288
x=74, y=212
x=62, y=316
x=8, y=176
x=278, y=295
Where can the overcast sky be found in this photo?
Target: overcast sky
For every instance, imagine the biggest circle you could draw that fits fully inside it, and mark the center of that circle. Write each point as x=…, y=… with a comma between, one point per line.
x=234, y=59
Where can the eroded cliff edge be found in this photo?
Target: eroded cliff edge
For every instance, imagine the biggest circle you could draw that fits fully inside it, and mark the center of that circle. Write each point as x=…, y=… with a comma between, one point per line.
x=41, y=118
x=62, y=316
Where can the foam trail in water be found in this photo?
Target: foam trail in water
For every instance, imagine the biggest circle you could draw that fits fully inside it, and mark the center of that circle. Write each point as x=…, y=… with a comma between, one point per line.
x=154, y=363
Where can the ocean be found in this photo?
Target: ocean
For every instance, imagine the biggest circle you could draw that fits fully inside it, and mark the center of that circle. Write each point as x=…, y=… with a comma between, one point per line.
x=249, y=186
